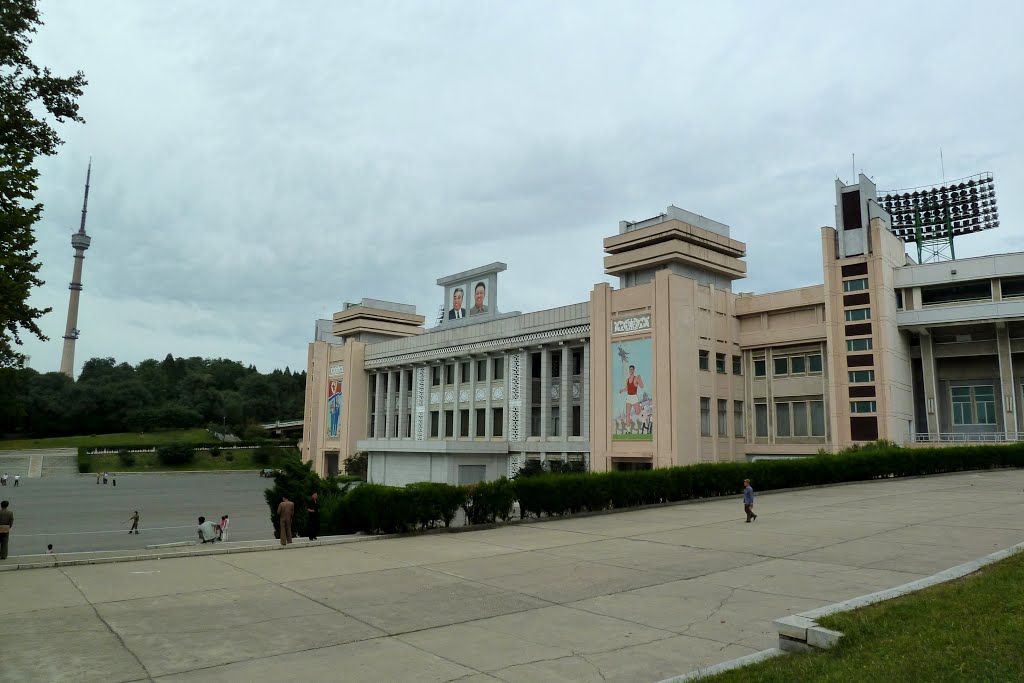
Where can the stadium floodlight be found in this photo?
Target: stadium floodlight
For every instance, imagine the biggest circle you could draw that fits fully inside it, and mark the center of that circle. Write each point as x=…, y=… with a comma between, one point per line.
x=931, y=216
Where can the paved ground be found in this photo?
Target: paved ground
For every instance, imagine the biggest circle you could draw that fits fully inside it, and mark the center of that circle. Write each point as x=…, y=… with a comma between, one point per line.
x=78, y=515
x=637, y=596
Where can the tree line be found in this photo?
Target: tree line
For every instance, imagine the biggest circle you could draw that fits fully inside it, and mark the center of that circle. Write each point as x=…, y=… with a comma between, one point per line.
x=175, y=393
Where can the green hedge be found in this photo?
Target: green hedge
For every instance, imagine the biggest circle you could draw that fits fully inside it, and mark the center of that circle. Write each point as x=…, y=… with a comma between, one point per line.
x=372, y=508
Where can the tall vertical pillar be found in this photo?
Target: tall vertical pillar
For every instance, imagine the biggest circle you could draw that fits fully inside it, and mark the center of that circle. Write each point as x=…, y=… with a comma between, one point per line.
x=489, y=414
x=565, y=395
x=931, y=393
x=472, y=398
x=79, y=242
x=403, y=389
x=585, y=400
x=545, y=393
x=378, y=406
x=1009, y=393
x=389, y=405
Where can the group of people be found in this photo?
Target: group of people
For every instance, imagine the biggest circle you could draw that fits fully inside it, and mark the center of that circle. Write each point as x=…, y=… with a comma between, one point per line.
x=104, y=477
x=286, y=513
x=210, y=532
x=3, y=479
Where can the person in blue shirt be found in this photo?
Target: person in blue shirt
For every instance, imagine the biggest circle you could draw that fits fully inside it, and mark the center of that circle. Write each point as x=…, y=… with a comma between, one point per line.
x=748, y=501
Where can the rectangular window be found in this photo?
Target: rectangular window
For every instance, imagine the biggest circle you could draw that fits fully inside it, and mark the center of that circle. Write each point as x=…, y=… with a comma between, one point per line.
x=858, y=345
x=464, y=423
x=962, y=413
x=535, y=365
x=435, y=375
x=858, y=314
x=862, y=407
x=759, y=367
x=799, y=409
x=852, y=269
x=760, y=419
x=556, y=363
x=449, y=423
x=472, y=474
x=798, y=365
x=497, y=420
x=464, y=371
x=449, y=373
x=985, y=405
x=535, y=421
x=737, y=419
x=737, y=365
x=705, y=416
x=481, y=370
x=408, y=425
x=481, y=422
x=720, y=363
x=577, y=362
x=781, y=366
x=814, y=363
x=499, y=368
x=723, y=417
x=857, y=376
x=556, y=421
x=855, y=285
x=434, y=419
x=577, y=421
x=817, y=418
x=702, y=360
x=781, y=419
x=979, y=290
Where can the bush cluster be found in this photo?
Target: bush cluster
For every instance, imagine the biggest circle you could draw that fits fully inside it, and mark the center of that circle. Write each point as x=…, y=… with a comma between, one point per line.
x=372, y=508
x=175, y=454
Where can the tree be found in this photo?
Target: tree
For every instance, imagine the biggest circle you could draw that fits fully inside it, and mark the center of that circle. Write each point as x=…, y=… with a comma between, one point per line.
x=28, y=93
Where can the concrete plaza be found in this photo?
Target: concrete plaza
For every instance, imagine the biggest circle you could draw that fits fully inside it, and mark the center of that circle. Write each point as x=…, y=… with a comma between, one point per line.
x=635, y=596
x=78, y=515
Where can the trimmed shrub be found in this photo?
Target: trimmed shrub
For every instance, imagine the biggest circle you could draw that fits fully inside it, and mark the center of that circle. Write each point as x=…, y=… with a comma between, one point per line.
x=175, y=454
x=488, y=501
x=84, y=462
x=215, y=452
x=263, y=455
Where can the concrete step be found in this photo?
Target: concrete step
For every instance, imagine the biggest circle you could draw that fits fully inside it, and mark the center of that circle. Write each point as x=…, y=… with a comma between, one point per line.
x=41, y=462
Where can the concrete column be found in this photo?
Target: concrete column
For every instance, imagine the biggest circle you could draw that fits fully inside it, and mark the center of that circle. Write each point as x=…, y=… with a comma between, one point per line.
x=1009, y=393
x=565, y=394
x=403, y=389
x=931, y=385
x=585, y=400
x=488, y=416
x=456, y=412
x=545, y=394
x=389, y=405
x=378, y=407
x=472, y=398
x=440, y=404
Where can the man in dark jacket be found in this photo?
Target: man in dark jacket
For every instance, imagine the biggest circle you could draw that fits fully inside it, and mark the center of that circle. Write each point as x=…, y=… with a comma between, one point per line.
x=6, y=522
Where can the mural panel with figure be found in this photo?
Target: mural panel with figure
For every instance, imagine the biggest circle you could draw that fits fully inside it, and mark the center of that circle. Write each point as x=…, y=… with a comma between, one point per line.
x=632, y=390
x=334, y=387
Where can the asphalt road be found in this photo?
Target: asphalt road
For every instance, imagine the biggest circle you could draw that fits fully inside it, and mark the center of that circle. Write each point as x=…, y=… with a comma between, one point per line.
x=79, y=515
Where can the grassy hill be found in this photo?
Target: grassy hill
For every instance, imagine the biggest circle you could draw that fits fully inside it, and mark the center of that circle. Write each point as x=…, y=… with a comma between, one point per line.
x=121, y=439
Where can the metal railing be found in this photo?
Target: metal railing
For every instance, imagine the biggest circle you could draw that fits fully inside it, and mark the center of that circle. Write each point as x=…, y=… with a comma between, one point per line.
x=960, y=437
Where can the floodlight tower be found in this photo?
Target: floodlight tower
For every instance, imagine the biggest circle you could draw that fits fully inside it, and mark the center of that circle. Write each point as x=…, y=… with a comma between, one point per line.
x=79, y=242
x=931, y=216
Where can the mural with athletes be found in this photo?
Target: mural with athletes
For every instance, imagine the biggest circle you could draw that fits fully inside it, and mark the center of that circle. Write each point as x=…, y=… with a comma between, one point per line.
x=632, y=390
x=334, y=387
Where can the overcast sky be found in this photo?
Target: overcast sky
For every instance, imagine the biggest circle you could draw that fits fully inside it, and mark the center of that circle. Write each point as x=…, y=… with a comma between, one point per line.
x=255, y=164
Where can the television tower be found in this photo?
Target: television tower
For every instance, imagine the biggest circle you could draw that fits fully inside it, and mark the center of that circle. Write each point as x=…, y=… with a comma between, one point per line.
x=80, y=242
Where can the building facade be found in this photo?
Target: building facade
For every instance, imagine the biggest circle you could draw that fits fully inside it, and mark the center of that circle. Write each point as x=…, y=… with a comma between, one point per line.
x=672, y=367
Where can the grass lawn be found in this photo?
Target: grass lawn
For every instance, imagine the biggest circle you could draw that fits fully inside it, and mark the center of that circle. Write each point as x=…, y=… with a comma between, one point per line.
x=122, y=439
x=971, y=629
x=147, y=462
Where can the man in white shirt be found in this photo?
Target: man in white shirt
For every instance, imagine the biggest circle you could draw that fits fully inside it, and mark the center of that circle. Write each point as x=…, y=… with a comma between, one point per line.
x=457, y=311
x=17, y=480
x=207, y=531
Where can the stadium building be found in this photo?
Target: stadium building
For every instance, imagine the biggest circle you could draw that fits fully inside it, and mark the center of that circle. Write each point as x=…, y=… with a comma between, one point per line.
x=672, y=367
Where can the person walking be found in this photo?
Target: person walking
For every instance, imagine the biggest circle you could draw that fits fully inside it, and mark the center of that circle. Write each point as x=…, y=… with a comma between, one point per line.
x=3, y=480
x=17, y=480
x=6, y=522
x=104, y=477
x=285, y=513
x=98, y=475
x=134, y=519
x=748, y=501
x=224, y=527
x=114, y=478
x=313, y=517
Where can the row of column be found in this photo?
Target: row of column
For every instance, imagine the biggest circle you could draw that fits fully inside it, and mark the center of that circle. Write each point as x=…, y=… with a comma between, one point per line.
x=390, y=406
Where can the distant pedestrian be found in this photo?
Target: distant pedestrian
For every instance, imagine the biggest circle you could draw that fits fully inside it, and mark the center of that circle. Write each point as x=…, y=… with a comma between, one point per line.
x=748, y=501
x=134, y=519
x=17, y=480
x=104, y=477
x=313, y=518
x=49, y=549
x=114, y=477
x=3, y=480
x=224, y=527
x=207, y=531
x=285, y=513
x=6, y=522
x=98, y=475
